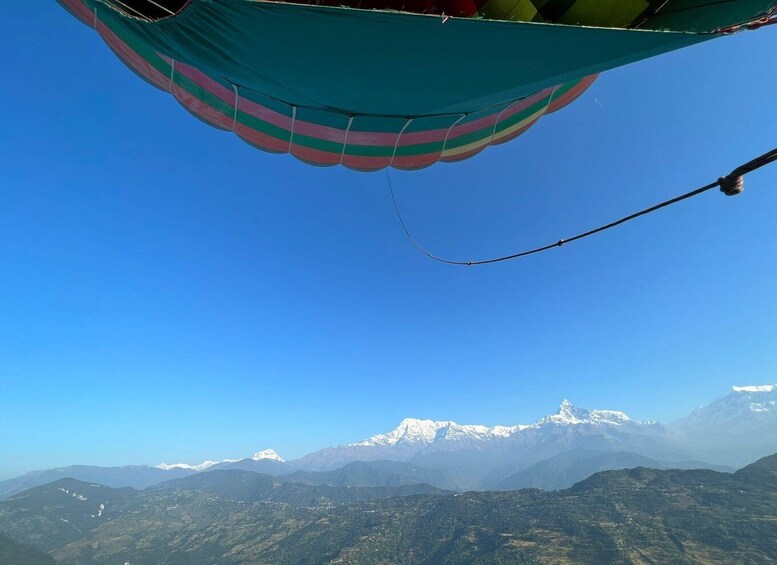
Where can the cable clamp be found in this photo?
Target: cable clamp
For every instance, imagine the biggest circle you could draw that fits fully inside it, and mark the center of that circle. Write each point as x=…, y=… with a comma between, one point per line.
x=732, y=185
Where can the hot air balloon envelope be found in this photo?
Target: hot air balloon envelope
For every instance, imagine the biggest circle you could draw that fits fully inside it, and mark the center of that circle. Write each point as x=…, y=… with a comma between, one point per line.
x=373, y=88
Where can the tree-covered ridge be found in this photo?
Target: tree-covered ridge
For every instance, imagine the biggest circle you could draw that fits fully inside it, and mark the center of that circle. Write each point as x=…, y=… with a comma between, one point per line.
x=632, y=516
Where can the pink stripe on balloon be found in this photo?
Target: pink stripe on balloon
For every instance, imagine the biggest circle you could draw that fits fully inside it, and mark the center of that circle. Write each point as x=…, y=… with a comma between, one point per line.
x=132, y=58
x=315, y=156
x=572, y=94
x=261, y=140
x=366, y=163
x=80, y=10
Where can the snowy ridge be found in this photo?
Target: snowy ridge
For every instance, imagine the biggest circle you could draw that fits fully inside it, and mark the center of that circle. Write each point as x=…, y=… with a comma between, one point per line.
x=572, y=415
x=414, y=431
x=761, y=398
x=437, y=441
x=427, y=432
x=259, y=455
x=756, y=388
x=201, y=467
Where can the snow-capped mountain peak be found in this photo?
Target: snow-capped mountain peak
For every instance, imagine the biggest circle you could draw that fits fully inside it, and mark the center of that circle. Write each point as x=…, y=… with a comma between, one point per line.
x=569, y=414
x=412, y=431
x=259, y=455
x=200, y=467
x=409, y=430
x=268, y=454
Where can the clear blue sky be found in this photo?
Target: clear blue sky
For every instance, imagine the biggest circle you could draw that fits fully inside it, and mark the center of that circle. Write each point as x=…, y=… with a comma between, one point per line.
x=169, y=293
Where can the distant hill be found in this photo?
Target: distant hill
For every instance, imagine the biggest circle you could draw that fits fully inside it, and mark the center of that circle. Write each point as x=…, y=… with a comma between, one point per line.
x=762, y=471
x=247, y=486
x=375, y=474
x=57, y=513
x=567, y=468
x=134, y=476
x=13, y=553
x=638, y=515
x=267, y=466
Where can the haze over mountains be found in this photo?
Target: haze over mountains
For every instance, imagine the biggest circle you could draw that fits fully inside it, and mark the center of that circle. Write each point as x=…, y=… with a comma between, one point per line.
x=552, y=453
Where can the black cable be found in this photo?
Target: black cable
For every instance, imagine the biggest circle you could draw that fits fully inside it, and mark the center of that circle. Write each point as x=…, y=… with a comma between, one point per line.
x=731, y=184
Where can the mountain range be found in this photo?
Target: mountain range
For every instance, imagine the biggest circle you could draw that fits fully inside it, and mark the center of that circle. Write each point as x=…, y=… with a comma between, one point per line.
x=552, y=453
x=232, y=517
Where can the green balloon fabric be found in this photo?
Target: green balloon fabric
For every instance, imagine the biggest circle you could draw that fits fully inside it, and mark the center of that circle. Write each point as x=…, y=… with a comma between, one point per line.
x=370, y=89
